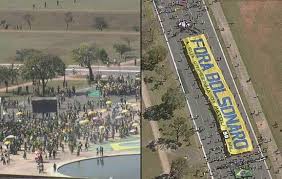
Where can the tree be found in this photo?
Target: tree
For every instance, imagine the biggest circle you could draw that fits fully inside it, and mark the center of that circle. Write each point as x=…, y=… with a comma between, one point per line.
x=43, y=67
x=25, y=54
x=68, y=19
x=103, y=55
x=136, y=28
x=176, y=129
x=178, y=168
x=14, y=72
x=5, y=76
x=127, y=40
x=154, y=56
x=28, y=18
x=158, y=112
x=85, y=55
x=3, y=23
x=121, y=49
x=100, y=23
x=173, y=98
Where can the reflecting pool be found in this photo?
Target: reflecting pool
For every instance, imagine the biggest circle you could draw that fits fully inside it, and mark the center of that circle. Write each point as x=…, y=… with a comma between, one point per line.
x=115, y=167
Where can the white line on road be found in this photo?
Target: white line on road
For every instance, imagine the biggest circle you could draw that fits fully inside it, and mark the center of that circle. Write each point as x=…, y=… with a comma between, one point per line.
x=245, y=111
x=198, y=134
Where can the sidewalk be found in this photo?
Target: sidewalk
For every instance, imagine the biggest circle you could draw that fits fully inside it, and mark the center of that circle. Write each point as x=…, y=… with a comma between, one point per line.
x=28, y=167
x=248, y=89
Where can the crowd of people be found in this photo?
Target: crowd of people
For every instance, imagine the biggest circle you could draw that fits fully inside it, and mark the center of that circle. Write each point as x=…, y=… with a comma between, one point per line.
x=122, y=85
x=81, y=122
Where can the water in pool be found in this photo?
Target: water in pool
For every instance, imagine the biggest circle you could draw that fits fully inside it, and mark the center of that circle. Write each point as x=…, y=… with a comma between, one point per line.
x=116, y=167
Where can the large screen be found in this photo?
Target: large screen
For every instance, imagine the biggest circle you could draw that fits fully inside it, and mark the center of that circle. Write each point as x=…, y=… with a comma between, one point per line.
x=41, y=105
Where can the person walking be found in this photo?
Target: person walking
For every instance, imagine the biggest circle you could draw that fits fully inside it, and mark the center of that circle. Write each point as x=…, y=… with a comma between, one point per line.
x=24, y=154
x=54, y=154
x=55, y=167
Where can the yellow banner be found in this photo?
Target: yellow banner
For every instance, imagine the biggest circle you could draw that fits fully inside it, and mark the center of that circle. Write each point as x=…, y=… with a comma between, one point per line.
x=221, y=98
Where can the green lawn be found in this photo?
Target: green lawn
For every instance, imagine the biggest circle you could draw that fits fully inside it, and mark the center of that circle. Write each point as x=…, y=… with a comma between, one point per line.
x=60, y=44
x=69, y=4
x=82, y=20
x=260, y=47
x=150, y=160
x=48, y=26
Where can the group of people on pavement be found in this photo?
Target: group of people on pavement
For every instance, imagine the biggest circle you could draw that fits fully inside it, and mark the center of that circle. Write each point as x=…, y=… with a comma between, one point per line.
x=81, y=122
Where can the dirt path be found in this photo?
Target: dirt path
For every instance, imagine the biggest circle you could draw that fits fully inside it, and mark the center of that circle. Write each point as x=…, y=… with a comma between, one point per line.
x=248, y=90
x=73, y=32
x=155, y=129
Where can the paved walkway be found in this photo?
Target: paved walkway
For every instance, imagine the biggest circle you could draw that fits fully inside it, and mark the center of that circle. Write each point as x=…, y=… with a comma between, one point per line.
x=155, y=129
x=248, y=89
x=28, y=167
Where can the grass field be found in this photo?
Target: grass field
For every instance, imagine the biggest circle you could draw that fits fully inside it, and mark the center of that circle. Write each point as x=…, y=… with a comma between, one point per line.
x=69, y=4
x=83, y=20
x=48, y=26
x=60, y=44
x=256, y=29
x=151, y=158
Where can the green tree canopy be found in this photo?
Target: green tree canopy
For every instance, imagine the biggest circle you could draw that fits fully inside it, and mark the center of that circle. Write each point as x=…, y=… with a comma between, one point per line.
x=178, y=168
x=28, y=18
x=85, y=55
x=100, y=23
x=43, y=67
x=121, y=49
x=5, y=76
x=153, y=57
x=158, y=112
x=68, y=19
x=177, y=129
x=173, y=98
x=25, y=54
x=103, y=55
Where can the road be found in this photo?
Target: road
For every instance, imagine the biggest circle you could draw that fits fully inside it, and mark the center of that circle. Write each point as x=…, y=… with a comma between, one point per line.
x=104, y=70
x=219, y=165
x=76, y=69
